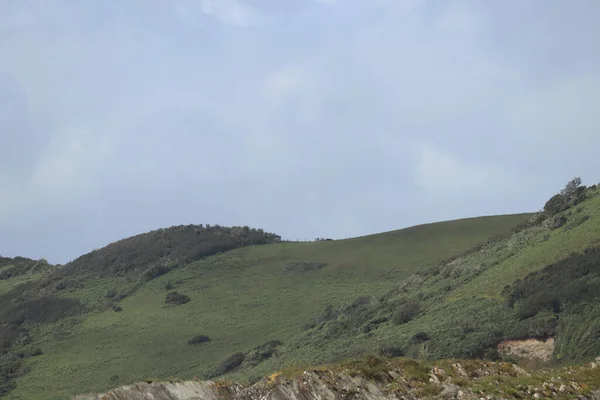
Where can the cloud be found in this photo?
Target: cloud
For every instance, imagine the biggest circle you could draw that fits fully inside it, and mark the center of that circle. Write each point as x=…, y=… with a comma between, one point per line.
x=319, y=121
x=232, y=12
x=444, y=174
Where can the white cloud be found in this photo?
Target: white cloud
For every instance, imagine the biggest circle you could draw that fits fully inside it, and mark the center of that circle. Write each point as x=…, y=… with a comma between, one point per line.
x=285, y=83
x=232, y=12
x=445, y=174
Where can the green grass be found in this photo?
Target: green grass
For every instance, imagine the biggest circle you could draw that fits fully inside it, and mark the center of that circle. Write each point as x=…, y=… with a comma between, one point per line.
x=465, y=312
x=240, y=299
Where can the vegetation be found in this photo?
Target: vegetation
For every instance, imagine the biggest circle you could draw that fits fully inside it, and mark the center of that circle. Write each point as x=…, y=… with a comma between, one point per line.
x=175, y=299
x=447, y=290
x=241, y=299
x=198, y=339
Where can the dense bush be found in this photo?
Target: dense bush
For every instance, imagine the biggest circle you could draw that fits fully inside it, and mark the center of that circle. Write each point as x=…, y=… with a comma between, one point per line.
x=572, y=194
x=20, y=266
x=175, y=298
x=181, y=243
x=420, y=337
x=390, y=351
x=38, y=310
x=198, y=339
x=556, y=204
x=154, y=272
x=406, y=312
x=229, y=364
x=261, y=353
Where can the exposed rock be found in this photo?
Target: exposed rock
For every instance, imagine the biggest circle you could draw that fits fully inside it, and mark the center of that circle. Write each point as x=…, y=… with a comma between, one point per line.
x=390, y=383
x=528, y=348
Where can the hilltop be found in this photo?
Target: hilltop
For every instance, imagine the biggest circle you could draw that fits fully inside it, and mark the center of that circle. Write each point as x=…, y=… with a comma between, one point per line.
x=126, y=312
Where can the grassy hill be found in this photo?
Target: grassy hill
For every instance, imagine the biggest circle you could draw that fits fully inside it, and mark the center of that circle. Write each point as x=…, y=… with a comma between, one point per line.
x=107, y=320
x=539, y=281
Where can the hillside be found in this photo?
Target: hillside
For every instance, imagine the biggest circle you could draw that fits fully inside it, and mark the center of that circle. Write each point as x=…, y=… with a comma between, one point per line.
x=126, y=312
x=536, y=287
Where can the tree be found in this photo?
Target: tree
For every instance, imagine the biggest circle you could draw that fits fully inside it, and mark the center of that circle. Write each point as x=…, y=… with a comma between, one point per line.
x=560, y=201
x=570, y=189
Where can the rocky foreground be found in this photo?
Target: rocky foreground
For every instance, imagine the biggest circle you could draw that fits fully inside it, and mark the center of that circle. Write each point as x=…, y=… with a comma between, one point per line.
x=376, y=379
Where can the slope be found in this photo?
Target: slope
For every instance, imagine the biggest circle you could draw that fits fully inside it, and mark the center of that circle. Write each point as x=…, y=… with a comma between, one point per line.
x=539, y=281
x=240, y=299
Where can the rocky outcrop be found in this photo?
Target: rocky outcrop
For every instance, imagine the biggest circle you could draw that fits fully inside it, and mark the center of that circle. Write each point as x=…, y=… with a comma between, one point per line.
x=398, y=379
x=396, y=382
x=528, y=348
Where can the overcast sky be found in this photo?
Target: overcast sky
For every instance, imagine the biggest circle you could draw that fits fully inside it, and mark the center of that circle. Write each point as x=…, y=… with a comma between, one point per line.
x=302, y=117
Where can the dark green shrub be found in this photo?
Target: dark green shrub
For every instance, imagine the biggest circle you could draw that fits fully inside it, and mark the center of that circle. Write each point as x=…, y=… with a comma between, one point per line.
x=45, y=309
x=406, y=312
x=154, y=272
x=117, y=308
x=541, y=301
x=132, y=256
x=420, y=337
x=555, y=205
x=169, y=286
x=390, y=351
x=114, y=380
x=303, y=266
x=262, y=352
x=30, y=353
x=229, y=364
x=174, y=298
x=559, y=222
x=198, y=339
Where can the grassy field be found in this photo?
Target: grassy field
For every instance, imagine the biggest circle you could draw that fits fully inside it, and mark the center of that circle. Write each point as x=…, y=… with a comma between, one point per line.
x=240, y=299
x=463, y=307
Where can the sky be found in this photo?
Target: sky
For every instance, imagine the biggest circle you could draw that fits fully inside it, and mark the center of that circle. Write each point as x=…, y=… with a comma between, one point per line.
x=307, y=118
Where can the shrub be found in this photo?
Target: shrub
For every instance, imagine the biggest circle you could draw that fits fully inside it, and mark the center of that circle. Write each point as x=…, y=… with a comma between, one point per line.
x=262, y=352
x=537, y=302
x=117, y=308
x=198, y=339
x=229, y=364
x=420, y=337
x=175, y=298
x=303, y=266
x=555, y=205
x=390, y=351
x=132, y=256
x=169, y=286
x=39, y=310
x=406, y=312
x=154, y=272
x=558, y=222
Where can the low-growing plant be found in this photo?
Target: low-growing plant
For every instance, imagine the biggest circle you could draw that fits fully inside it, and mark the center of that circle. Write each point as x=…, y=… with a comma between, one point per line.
x=198, y=339
x=174, y=298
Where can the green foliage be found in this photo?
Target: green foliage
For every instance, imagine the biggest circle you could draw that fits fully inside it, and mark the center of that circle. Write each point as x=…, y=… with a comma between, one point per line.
x=406, y=312
x=261, y=353
x=18, y=266
x=229, y=364
x=198, y=339
x=556, y=204
x=247, y=298
x=175, y=299
x=184, y=243
x=390, y=351
x=420, y=337
x=155, y=271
